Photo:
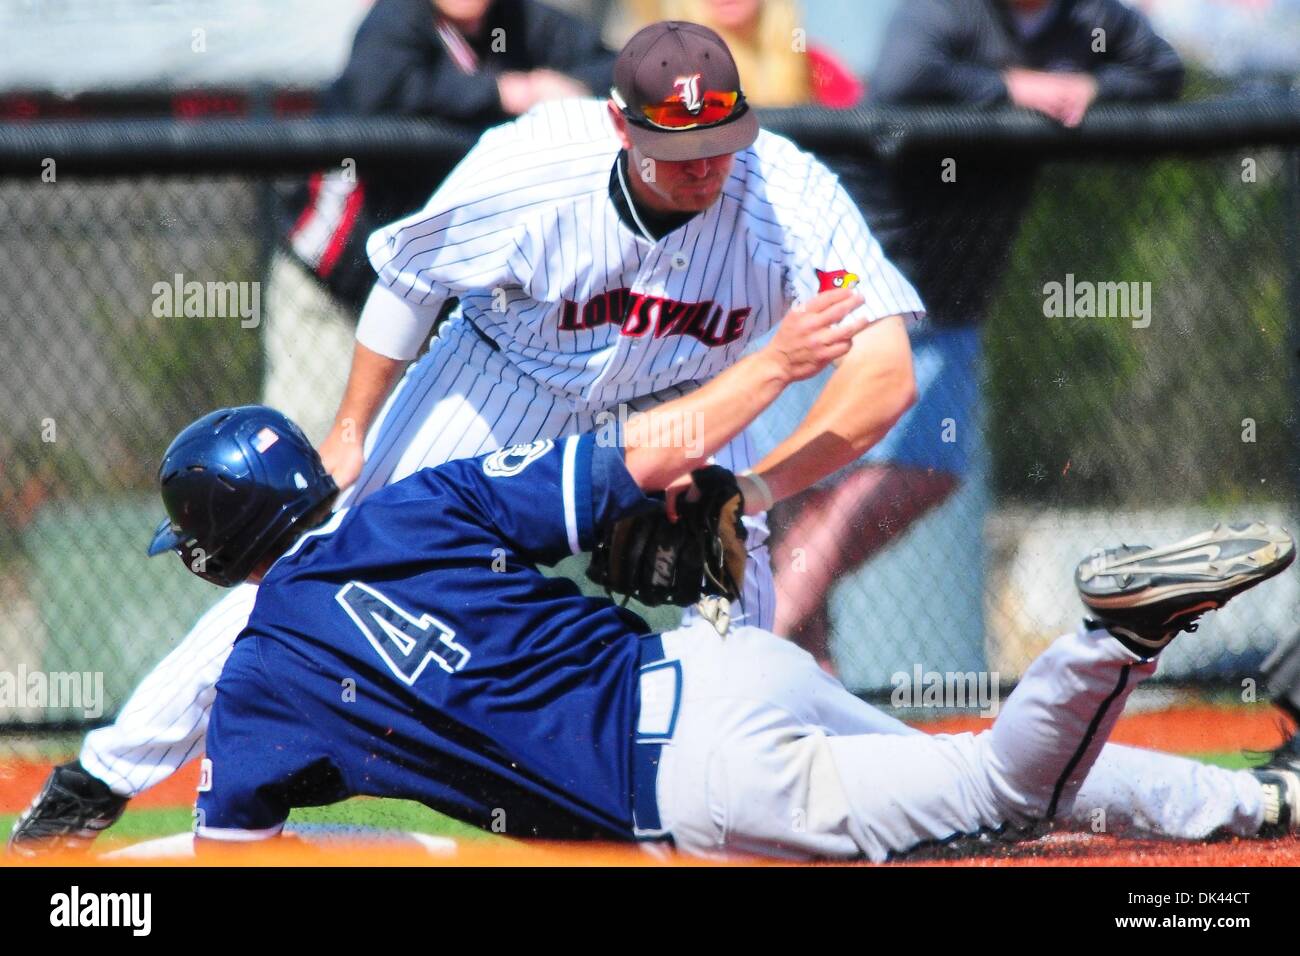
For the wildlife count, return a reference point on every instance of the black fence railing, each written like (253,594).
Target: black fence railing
(91,147)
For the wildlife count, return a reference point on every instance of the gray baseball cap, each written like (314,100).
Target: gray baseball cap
(678,87)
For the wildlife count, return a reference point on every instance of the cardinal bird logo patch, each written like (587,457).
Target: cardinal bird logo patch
(839,279)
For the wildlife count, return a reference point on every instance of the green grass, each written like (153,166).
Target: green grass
(391,815)
(1232,760)
(146,823)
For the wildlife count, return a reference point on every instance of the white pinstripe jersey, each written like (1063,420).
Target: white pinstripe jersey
(524,232)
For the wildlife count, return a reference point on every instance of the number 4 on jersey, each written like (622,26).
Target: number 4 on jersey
(405,642)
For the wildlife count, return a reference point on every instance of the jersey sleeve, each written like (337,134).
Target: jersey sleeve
(466,238)
(834,248)
(393,326)
(546,500)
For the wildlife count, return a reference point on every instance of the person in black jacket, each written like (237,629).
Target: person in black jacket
(474,62)
(1054,56)
(952,240)
(477,61)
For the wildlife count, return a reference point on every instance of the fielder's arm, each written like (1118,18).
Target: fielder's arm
(870,390)
(390,333)
(804,344)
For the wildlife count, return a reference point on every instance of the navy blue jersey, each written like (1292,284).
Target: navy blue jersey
(428,599)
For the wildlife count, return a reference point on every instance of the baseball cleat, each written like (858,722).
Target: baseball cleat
(1280,780)
(70,811)
(1146,596)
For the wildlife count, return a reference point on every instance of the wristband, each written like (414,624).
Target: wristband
(763,489)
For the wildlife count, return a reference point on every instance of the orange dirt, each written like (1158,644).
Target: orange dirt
(289,852)
(1055,850)
(1182,730)
(1082,849)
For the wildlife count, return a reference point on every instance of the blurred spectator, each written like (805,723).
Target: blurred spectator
(476,62)
(473,60)
(854,31)
(1054,56)
(778,66)
(951,239)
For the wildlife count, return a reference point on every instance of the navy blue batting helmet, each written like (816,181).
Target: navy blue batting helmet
(234,484)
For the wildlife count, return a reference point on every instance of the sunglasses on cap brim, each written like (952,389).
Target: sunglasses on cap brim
(716,107)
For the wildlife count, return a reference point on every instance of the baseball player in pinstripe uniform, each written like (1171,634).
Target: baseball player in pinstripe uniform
(604,254)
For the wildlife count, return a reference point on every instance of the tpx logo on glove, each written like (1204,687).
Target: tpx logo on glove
(665,561)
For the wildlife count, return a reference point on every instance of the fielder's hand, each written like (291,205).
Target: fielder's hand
(1065,97)
(808,338)
(701,554)
(342,456)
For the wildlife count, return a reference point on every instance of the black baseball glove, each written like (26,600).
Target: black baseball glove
(700,555)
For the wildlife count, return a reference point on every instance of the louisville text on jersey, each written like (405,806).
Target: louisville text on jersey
(640,314)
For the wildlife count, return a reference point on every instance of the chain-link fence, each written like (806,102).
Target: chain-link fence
(1135,383)
(1130,375)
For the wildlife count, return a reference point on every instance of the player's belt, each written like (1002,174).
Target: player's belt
(660,686)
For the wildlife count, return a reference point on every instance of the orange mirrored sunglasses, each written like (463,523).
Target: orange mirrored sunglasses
(715,107)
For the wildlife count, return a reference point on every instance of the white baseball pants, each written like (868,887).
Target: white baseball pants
(770,756)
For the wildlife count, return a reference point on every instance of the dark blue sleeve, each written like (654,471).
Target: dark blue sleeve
(1140,64)
(399,67)
(568,44)
(548,499)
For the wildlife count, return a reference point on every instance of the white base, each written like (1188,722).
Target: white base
(180,846)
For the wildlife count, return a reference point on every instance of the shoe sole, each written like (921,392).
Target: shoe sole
(1215,565)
